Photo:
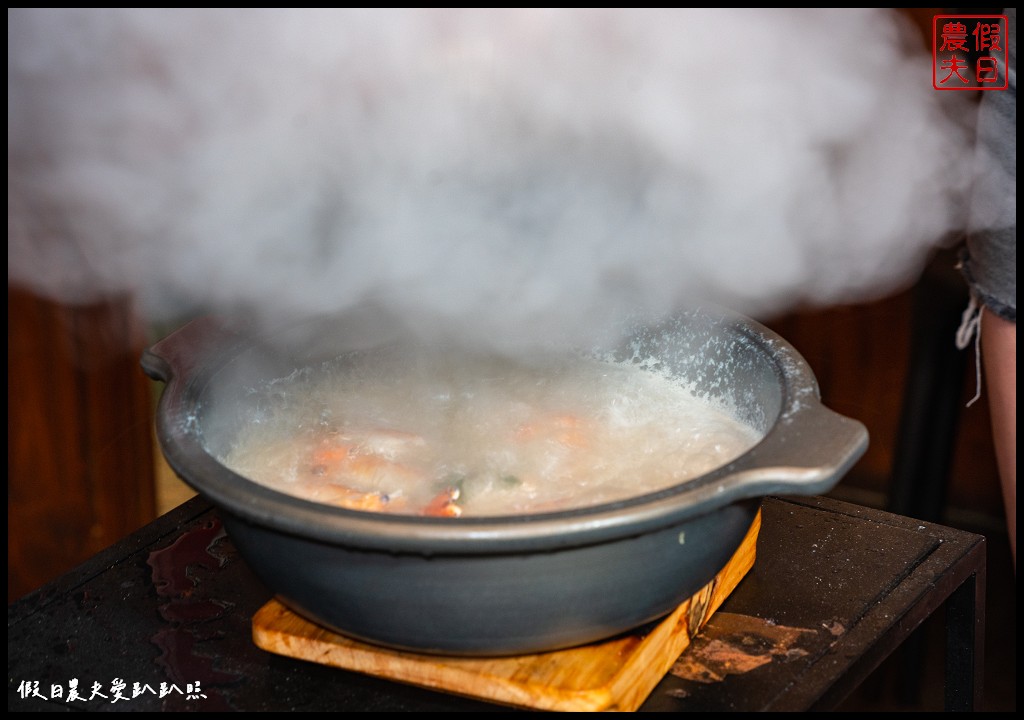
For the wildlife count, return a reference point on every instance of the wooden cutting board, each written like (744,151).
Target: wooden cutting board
(617,674)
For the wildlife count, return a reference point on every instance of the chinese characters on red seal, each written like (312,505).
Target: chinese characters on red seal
(969,52)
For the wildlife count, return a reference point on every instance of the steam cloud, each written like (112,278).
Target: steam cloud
(522,174)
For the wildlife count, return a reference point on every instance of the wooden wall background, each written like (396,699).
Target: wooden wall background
(79,442)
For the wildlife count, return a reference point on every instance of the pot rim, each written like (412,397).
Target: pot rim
(188,359)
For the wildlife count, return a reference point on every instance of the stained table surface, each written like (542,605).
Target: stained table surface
(162,621)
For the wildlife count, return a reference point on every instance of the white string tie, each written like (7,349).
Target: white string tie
(970,326)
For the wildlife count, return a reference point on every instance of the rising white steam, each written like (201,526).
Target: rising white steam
(513,173)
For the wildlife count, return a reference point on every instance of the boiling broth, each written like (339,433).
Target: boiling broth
(453,434)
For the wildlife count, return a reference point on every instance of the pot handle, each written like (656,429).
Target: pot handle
(807,452)
(181,352)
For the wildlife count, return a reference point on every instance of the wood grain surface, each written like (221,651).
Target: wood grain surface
(617,674)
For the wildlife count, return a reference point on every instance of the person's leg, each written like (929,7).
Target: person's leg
(999,350)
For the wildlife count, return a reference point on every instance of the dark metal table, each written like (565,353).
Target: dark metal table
(161,621)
